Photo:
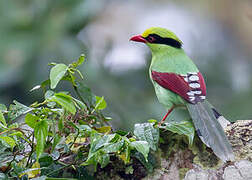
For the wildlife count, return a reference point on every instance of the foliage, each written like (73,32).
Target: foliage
(70,132)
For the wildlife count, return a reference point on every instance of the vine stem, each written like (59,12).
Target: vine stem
(78,132)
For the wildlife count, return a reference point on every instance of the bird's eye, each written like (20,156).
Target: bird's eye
(151,39)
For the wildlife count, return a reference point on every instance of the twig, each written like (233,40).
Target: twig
(32,147)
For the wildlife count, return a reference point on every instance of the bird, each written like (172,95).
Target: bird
(178,82)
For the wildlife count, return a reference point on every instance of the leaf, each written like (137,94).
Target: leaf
(36,171)
(17,133)
(45,160)
(103,160)
(3,107)
(125,155)
(122,133)
(3,176)
(17,109)
(57,73)
(2,119)
(98,141)
(142,147)
(48,94)
(40,133)
(152,121)
(96,150)
(113,147)
(85,92)
(146,132)
(84,128)
(79,61)
(8,141)
(31,120)
(80,105)
(65,101)
(150,164)
(182,128)
(56,140)
(100,103)
(104,129)
(45,83)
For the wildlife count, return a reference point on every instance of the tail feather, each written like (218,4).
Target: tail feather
(209,129)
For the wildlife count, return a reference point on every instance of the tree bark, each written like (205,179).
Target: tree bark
(201,164)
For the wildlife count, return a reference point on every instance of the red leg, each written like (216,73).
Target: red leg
(169,111)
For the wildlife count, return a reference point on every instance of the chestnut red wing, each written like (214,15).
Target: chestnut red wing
(190,86)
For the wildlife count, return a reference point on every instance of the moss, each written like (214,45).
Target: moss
(204,156)
(182,172)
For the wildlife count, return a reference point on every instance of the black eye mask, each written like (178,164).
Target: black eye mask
(156,39)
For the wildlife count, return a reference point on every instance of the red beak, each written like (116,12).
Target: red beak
(138,38)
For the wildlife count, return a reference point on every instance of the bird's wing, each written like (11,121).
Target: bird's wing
(190,86)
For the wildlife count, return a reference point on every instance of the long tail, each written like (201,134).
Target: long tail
(210,131)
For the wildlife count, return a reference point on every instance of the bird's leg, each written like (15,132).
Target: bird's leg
(169,111)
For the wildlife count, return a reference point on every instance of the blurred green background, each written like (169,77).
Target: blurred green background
(216,35)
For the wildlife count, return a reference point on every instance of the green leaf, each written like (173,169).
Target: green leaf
(80,104)
(17,133)
(104,129)
(45,160)
(103,160)
(150,164)
(65,101)
(146,132)
(98,148)
(152,121)
(122,133)
(2,119)
(84,128)
(34,171)
(8,140)
(40,133)
(98,141)
(61,123)
(125,154)
(17,109)
(56,140)
(3,176)
(113,147)
(45,83)
(85,93)
(100,103)
(31,120)
(142,147)
(57,73)
(3,107)
(48,94)
(79,61)
(182,128)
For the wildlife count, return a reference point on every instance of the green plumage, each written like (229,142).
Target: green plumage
(169,57)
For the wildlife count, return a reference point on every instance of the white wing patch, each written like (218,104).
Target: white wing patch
(194,78)
(195,93)
(194,85)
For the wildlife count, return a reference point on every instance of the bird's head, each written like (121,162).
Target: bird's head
(157,38)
